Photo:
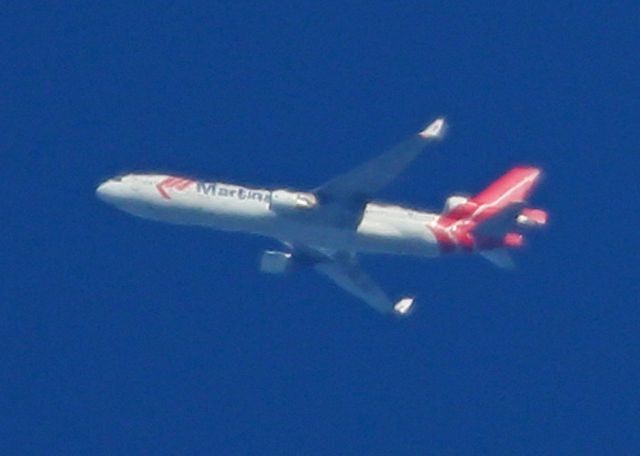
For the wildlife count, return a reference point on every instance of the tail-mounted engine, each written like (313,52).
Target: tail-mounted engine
(285,200)
(454,201)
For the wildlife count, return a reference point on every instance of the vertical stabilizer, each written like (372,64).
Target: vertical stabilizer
(513,187)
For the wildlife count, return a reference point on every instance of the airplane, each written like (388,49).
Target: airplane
(324,229)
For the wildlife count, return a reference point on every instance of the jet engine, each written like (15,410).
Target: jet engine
(454,201)
(274,262)
(286,200)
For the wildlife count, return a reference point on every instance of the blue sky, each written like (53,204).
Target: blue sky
(121,336)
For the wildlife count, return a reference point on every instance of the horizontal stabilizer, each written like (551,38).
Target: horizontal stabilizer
(532,218)
(500,258)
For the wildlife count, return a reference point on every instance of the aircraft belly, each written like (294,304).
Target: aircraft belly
(222,214)
(412,241)
(397,237)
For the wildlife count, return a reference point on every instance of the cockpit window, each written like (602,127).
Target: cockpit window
(118,178)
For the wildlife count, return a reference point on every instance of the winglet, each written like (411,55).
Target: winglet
(434,130)
(403,306)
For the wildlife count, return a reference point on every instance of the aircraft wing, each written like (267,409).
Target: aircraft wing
(361,183)
(343,269)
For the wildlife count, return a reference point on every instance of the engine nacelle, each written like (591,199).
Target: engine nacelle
(273,262)
(454,201)
(285,200)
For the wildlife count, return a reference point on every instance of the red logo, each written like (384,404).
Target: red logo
(176,183)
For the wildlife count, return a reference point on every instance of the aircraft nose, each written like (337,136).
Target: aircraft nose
(106,191)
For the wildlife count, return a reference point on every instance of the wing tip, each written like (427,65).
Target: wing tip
(403,306)
(434,130)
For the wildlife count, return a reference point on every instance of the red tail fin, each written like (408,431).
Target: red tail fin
(514,186)
(487,221)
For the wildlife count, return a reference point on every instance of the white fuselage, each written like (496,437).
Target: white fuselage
(380,229)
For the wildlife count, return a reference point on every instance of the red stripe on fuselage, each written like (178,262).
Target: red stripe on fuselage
(452,234)
(184,184)
(177,183)
(165,183)
(446,242)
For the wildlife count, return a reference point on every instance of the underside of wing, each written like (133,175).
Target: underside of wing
(365,180)
(343,269)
